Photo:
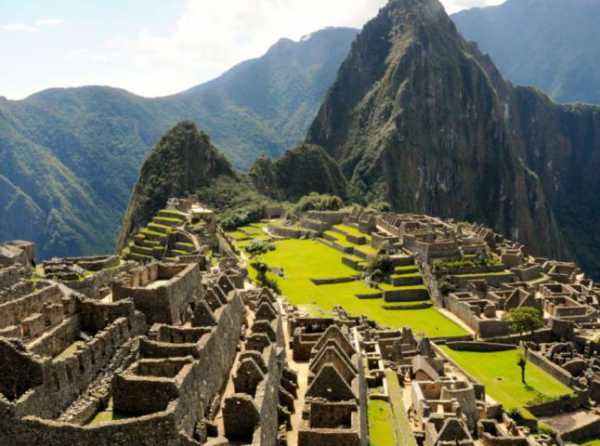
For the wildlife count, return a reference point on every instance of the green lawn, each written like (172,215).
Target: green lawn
(381,432)
(500,374)
(302,260)
(592,443)
(340,239)
(255,230)
(351,230)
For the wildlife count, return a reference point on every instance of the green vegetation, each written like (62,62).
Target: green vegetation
(318,202)
(302,260)
(500,374)
(351,230)
(259,247)
(442,266)
(307,169)
(380,424)
(524,320)
(70,157)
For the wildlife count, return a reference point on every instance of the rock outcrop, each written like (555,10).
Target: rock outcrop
(420,118)
(182,162)
(306,169)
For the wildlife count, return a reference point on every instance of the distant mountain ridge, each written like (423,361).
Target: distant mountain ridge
(70,157)
(553,45)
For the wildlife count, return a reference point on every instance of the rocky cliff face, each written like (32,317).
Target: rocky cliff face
(421,118)
(182,162)
(551,44)
(306,169)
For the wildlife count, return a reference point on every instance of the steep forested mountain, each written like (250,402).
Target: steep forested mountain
(551,44)
(420,118)
(182,162)
(299,172)
(70,157)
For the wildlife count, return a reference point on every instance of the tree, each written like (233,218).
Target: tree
(263,279)
(522,365)
(259,247)
(524,320)
(380,265)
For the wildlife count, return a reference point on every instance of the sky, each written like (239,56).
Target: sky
(156,47)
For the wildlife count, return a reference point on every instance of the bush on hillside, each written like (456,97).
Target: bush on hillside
(318,202)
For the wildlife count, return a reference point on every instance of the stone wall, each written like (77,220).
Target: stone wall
(478,346)
(549,367)
(159,429)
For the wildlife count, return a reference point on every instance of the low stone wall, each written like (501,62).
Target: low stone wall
(334,281)
(493,280)
(93,284)
(11,275)
(417,306)
(583,433)
(332,243)
(13,312)
(406,295)
(485,328)
(285,232)
(158,429)
(549,367)
(472,270)
(354,264)
(479,346)
(565,404)
(330,217)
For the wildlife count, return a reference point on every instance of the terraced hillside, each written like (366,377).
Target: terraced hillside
(320,274)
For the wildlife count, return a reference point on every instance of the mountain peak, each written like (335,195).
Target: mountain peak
(182,162)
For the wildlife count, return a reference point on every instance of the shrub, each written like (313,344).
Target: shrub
(318,202)
(380,266)
(524,319)
(259,247)
(381,206)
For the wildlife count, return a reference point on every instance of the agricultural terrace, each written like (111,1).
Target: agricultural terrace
(303,260)
(501,375)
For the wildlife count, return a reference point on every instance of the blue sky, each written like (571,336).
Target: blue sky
(155,47)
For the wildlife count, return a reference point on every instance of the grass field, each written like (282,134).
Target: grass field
(501,375)
(351,230)
(381,432)
(591,443)
(302,260)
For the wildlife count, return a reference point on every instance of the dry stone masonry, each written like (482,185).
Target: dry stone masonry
(171,343)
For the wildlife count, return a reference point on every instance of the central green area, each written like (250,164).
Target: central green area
(380,424)
(302,260)
(501,375)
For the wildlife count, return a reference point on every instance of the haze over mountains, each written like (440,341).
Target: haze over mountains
(550,44)
(420,118)
(70,157)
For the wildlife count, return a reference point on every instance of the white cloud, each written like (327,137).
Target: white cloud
(49,22)
(24,27)
(18,27)
(453,6)
(211,37)
(208,38)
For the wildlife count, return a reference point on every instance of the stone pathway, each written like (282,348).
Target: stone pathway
(302,369)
